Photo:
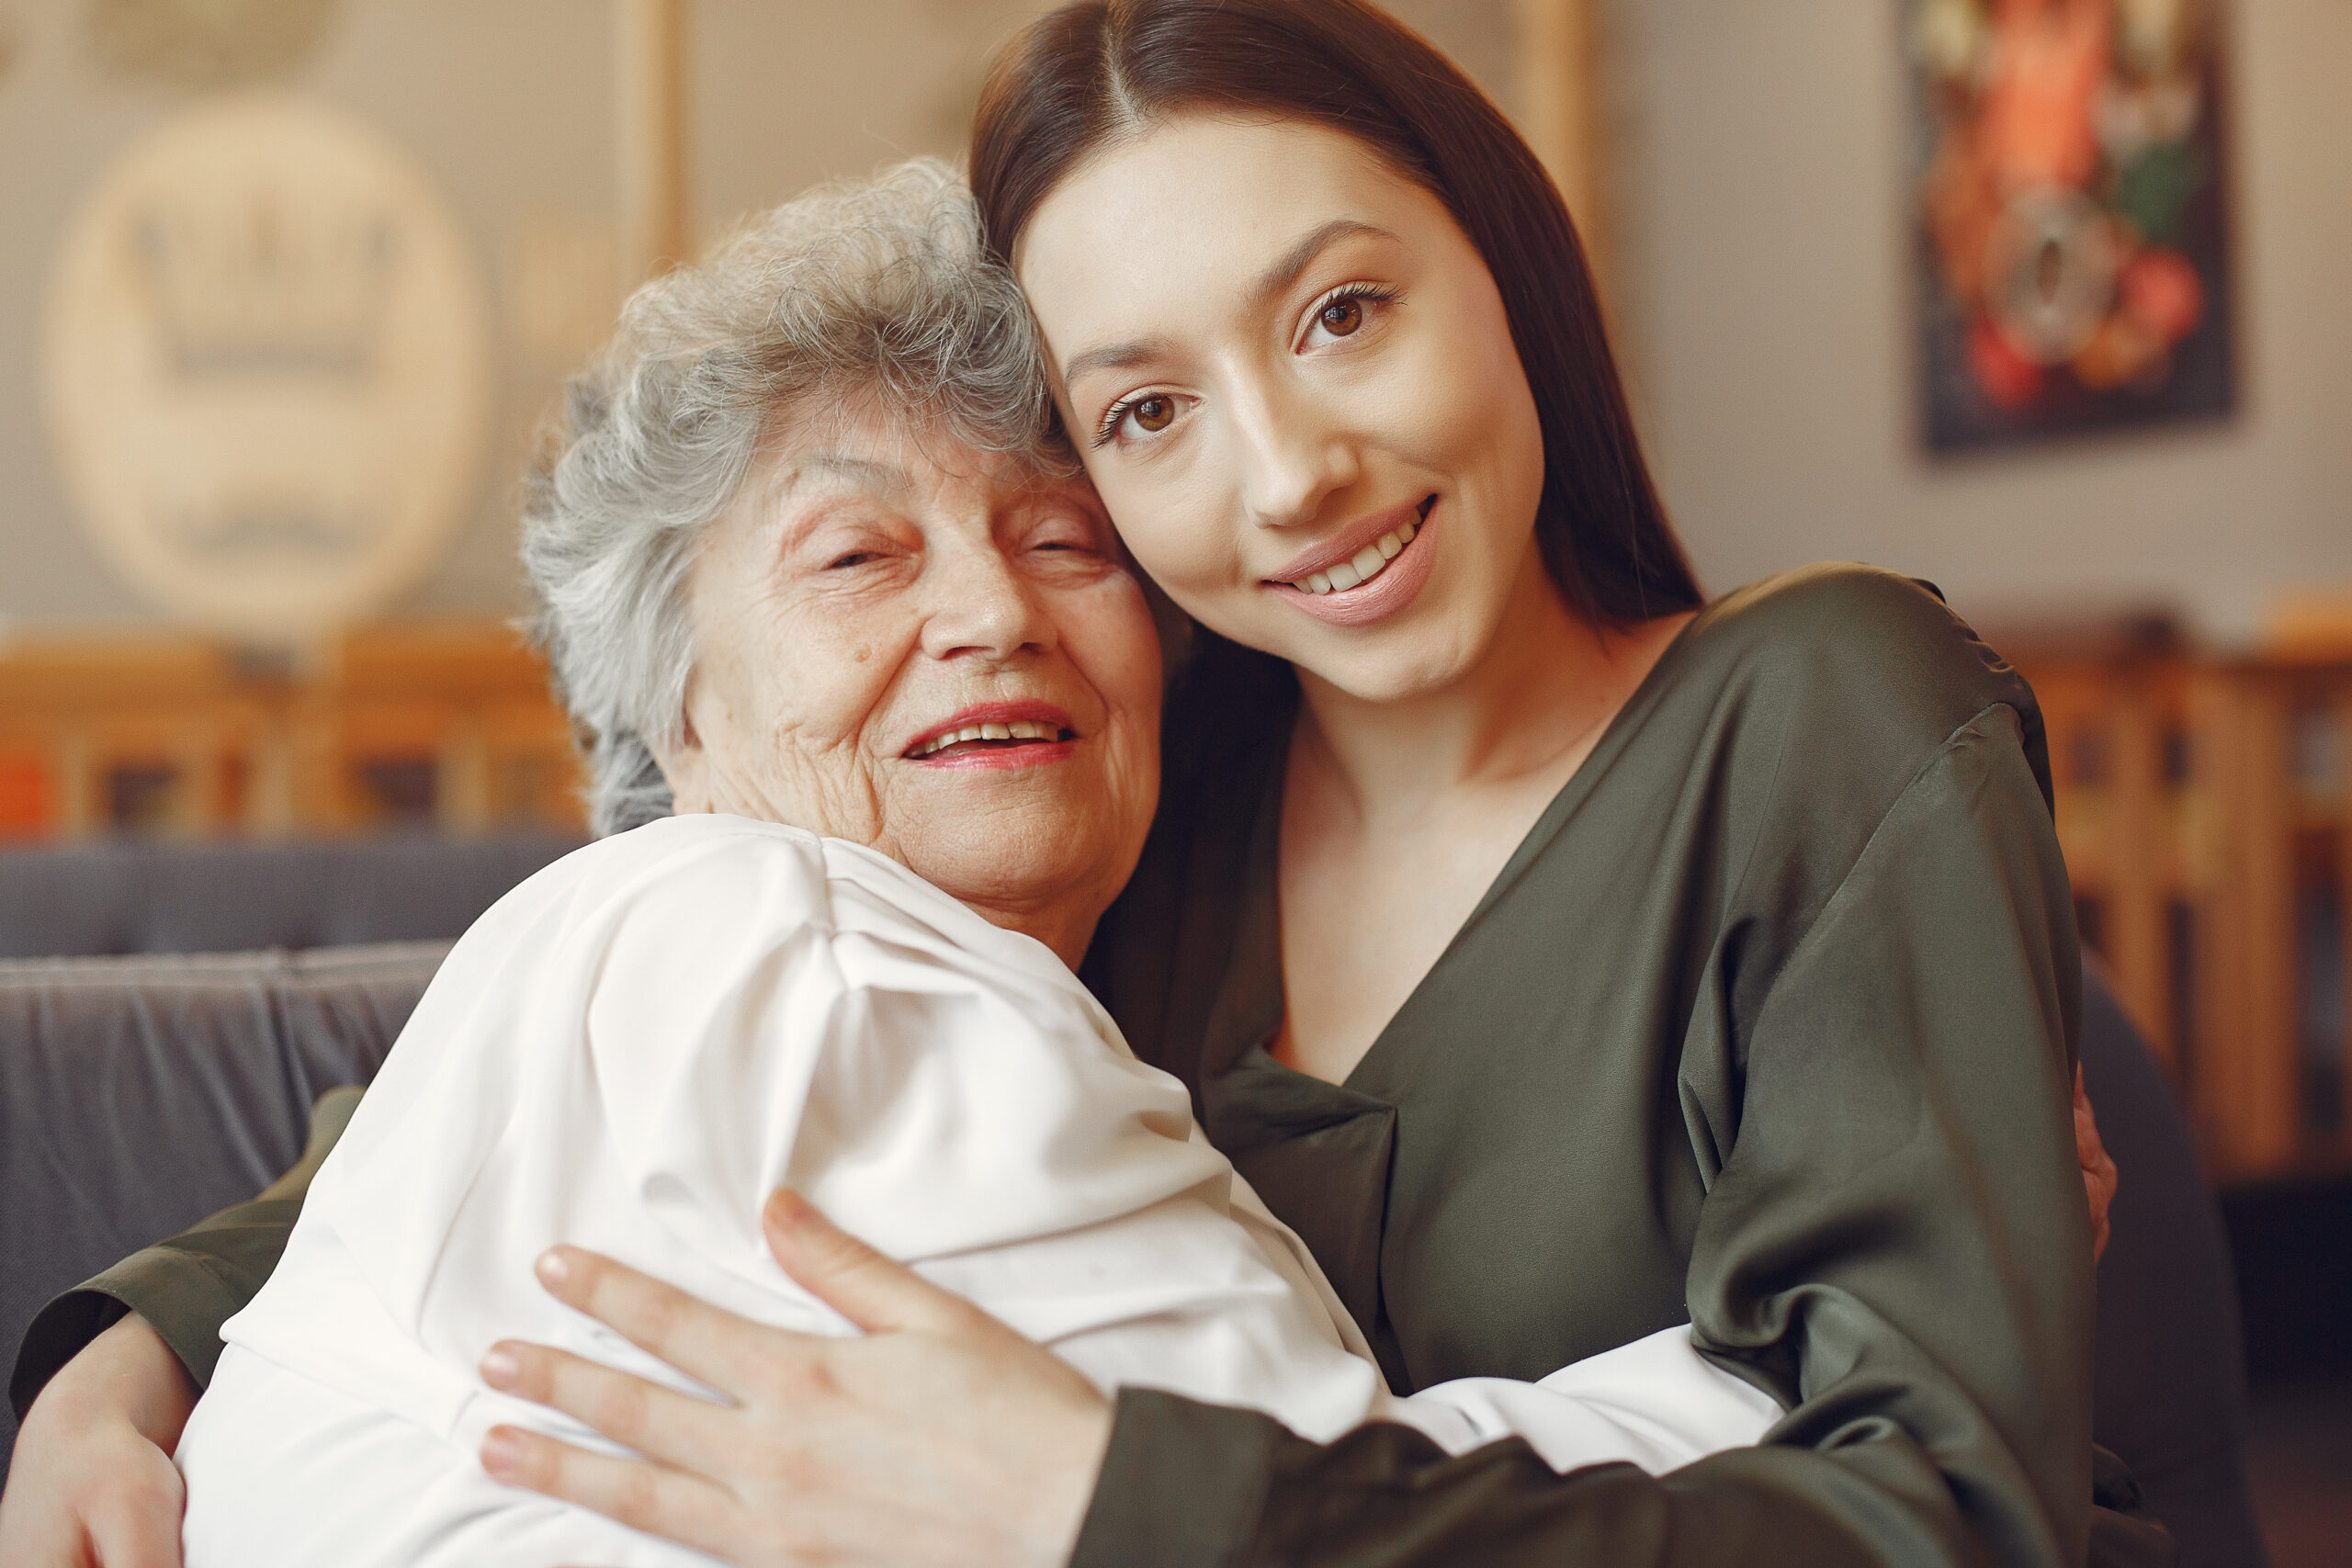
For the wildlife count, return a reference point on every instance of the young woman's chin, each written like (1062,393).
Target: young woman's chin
(1417,649)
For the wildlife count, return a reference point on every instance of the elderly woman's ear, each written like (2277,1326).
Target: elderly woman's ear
(686,767)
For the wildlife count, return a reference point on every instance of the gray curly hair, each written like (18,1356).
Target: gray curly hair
(877,288)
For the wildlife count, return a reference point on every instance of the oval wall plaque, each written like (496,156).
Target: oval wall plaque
(267,367)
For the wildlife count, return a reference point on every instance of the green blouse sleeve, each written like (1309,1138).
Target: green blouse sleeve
(1894,1241)
(189,1286)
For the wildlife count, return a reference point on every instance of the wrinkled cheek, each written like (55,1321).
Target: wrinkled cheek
(826,784)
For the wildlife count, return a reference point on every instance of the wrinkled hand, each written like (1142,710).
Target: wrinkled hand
(91,1483)
(940,1437)
(2099,1179)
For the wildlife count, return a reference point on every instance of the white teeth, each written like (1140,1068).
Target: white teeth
(1017,729)
(1368,563)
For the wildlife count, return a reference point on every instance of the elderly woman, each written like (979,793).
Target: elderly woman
(877,702)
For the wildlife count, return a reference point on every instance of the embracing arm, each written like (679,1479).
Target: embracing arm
(108,1373)
(186,1287)
(1892,1242)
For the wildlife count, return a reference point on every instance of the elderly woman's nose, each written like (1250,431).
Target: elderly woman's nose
(981,604)
(1294,453)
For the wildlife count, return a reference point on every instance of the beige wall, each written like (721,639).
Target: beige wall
(1759,278)
(507,102)
(503,100)
(1765,299)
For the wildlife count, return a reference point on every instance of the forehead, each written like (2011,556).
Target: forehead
(859,448)
(1182,201)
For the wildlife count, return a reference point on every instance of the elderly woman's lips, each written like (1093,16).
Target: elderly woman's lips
(1024,727)
(1017,731)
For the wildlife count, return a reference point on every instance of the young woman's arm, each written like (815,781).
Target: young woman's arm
(91,1482)
(108,1371)
(1892,1240)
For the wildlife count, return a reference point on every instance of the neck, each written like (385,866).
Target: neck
(1539,695)
(1059,925)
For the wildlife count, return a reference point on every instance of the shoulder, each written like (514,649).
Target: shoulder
(1848,621)
(699,871)
(1859,657)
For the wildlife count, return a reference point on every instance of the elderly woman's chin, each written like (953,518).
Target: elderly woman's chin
(1043,833)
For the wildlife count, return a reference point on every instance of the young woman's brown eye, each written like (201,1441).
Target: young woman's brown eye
(1342,317)
(1152,414)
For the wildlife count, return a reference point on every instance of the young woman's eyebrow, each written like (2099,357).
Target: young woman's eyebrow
(1277,279)
(1270,285)
(1114,356)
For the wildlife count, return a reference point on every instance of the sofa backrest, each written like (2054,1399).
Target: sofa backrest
(139,1095)
(132,895)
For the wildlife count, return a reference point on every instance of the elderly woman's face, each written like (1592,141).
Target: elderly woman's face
(930,650)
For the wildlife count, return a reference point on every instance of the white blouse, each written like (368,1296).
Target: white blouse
(637,1046)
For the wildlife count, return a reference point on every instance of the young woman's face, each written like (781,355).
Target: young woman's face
(1292,381)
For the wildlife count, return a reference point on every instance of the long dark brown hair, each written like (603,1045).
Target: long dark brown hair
(1102,69)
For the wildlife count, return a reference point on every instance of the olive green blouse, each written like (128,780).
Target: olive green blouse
(1767,1026)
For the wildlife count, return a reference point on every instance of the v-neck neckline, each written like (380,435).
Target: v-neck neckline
(1261,904)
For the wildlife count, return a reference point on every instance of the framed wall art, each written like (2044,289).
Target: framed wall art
(2069,205)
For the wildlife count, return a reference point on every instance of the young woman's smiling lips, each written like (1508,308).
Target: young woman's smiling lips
(995,735)
(1367,571)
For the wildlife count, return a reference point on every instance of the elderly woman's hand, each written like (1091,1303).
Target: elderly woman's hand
(940,1437)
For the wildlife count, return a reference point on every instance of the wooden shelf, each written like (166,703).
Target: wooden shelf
(442,724)
(2206,814)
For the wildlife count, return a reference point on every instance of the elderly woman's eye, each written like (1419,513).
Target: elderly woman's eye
(855,557)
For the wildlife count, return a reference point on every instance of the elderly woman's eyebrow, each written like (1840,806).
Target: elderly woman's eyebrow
(864,472)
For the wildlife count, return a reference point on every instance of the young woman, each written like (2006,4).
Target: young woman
(1561,959)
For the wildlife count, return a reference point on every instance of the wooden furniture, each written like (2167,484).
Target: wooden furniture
(2205,806)
(443,725)
(1559,71)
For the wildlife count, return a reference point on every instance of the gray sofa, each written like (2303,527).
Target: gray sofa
(139,1095)
(137,896)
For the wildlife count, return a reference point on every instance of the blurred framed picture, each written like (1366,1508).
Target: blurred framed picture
(2069,204)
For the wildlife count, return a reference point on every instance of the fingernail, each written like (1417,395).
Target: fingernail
(499,1369)
(502,1453)
(552,1267)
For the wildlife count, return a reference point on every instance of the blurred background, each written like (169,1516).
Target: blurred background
(2043,300)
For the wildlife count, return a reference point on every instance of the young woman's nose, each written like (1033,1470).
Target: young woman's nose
(981,605)
(1293,455)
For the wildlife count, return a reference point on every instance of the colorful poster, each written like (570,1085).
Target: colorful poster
(2070,209)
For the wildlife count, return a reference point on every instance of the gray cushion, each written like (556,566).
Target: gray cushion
(133,896)
(139,1095)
